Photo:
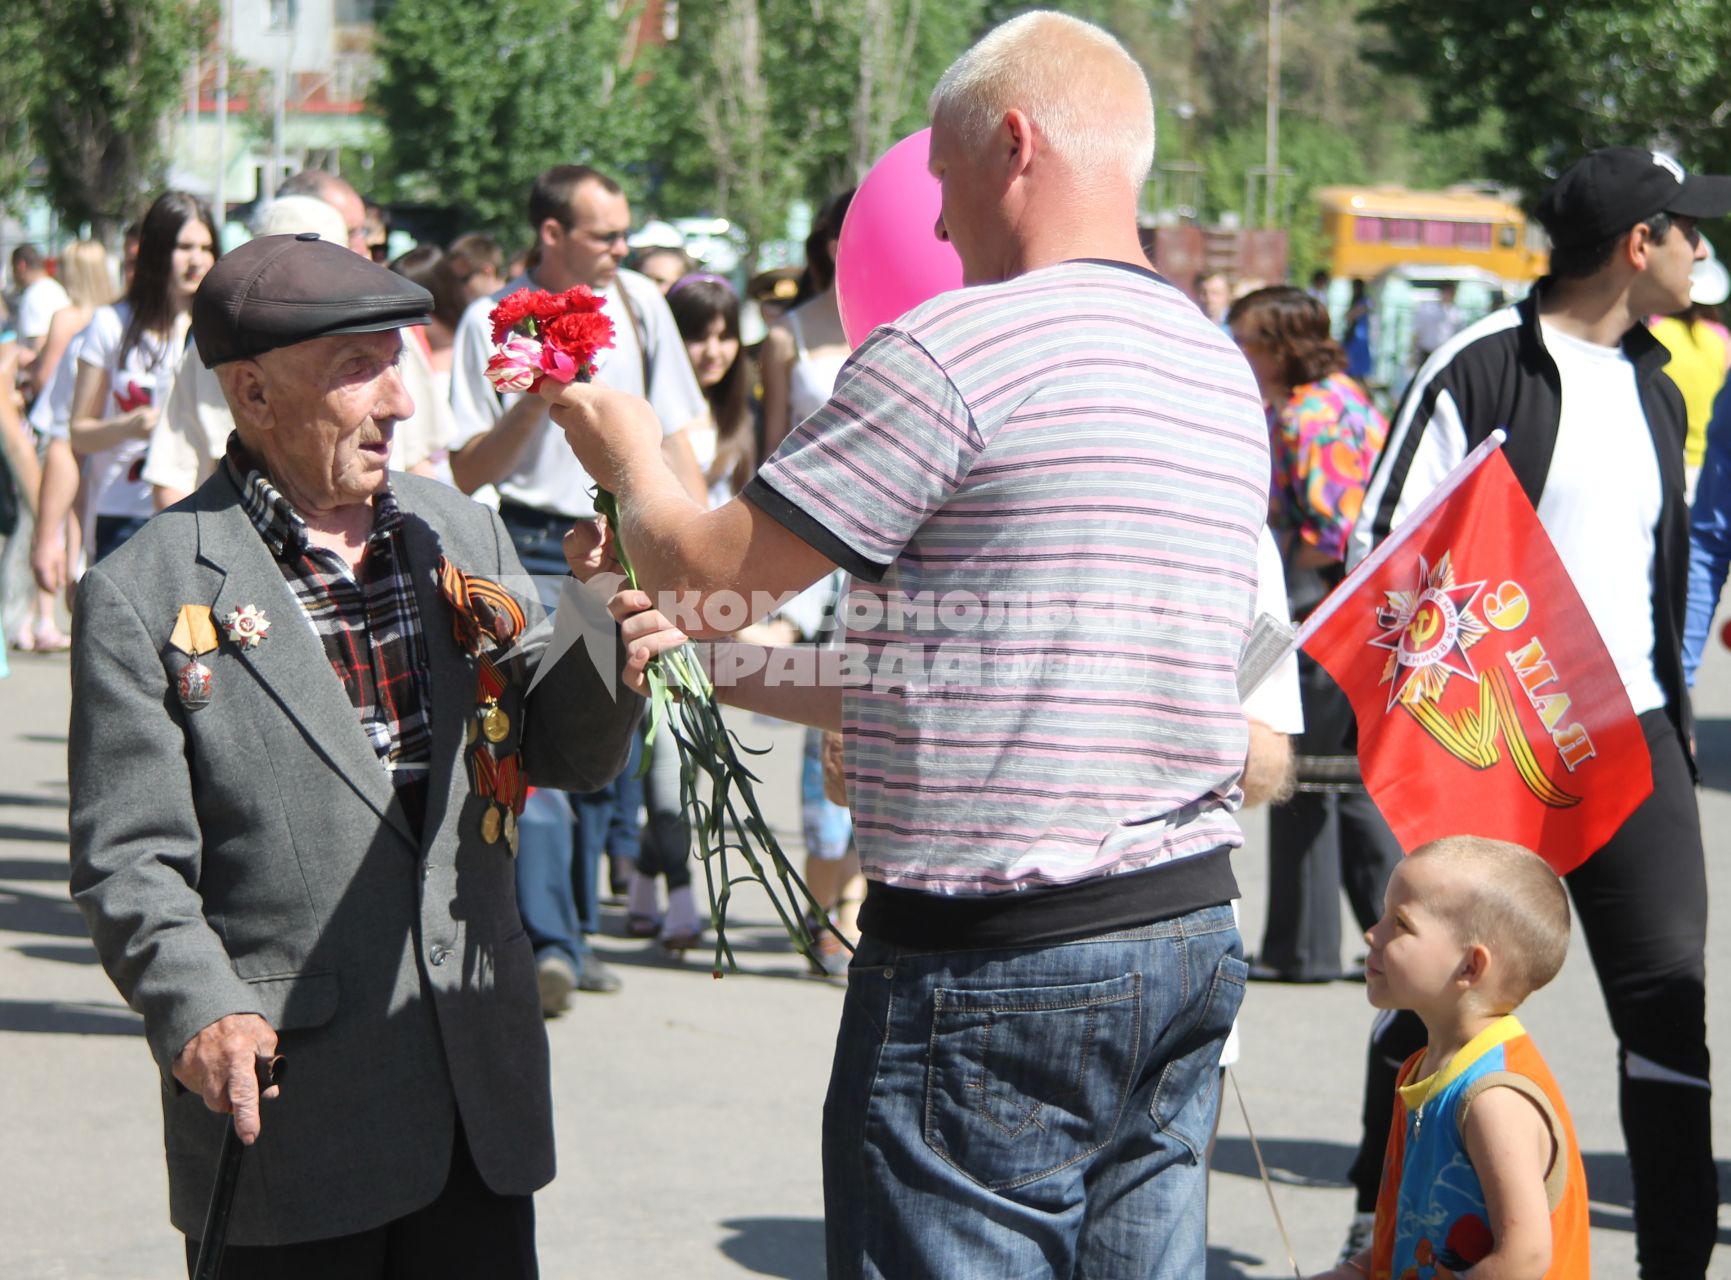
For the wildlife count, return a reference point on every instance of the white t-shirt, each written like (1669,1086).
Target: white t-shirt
(1276,701)
(705,439)
(51,415)
(1601,504)
(1434,323)
(114,477)
(548,476)
(37,305)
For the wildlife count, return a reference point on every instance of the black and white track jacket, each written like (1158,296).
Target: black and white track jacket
(1497,373)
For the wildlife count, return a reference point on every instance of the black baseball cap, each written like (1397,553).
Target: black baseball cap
(1607,192)
(276,291)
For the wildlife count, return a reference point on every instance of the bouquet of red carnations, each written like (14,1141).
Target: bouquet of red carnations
(541,336)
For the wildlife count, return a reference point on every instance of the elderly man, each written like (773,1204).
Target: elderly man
(299,737)
(1049,488)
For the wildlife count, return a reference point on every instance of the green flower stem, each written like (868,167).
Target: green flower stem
(713,784)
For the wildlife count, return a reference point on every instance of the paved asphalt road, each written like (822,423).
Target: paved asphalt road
(688,1108)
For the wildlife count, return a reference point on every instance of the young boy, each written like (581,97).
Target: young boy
(1482,1169)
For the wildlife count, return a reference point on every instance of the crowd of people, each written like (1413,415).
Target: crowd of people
(205,439)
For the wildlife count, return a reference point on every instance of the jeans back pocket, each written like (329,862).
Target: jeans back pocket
(1022,1082)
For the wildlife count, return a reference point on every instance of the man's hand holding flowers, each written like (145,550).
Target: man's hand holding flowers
(613,433)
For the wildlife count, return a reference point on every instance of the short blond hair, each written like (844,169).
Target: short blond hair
(1071,79)
(1508,900)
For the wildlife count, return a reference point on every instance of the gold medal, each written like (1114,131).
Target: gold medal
(511,831)
(491,823)
(495,724)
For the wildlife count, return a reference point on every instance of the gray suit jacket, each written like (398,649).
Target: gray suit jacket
(251,856)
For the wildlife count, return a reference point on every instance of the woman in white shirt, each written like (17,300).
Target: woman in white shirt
(126,366)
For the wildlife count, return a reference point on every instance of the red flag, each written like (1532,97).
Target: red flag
(1486,702)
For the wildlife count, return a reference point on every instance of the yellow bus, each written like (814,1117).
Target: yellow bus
(1371,229)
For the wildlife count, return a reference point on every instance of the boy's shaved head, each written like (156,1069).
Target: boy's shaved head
(1507,899)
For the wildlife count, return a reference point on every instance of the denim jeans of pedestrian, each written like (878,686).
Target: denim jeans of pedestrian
(544,851)
(827,827)
(112,531)
(1029,1113)
(608,821)
(544,877)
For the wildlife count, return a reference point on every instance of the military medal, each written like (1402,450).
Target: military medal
(194,634)
(485,621)
(489,684)
(193,684)
(247,626)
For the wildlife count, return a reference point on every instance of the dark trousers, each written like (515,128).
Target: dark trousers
(112,531)
(469,1231)
(1642,906)
(1319,843)
(1395,1036)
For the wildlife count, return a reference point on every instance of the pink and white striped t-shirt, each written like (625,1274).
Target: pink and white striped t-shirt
(1049,493)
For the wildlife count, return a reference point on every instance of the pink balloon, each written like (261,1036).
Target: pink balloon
(889,259)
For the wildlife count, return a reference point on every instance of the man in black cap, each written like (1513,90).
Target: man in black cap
(300,739)
(1595,435)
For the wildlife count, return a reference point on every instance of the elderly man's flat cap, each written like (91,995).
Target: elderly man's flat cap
(279,290)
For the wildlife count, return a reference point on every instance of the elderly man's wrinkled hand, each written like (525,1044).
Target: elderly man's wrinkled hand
(220,1064)
(588,546)
(645,633)
(603,426)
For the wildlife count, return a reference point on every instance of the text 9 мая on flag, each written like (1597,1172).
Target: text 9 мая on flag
(1486,702)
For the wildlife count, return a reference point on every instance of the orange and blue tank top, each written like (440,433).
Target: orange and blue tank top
(1431,1220)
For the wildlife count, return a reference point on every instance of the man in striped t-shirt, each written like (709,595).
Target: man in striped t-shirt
(1048,488)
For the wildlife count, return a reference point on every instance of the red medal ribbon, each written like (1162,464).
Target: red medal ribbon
(489,680)
(486,771)
(511,792)
(481,609)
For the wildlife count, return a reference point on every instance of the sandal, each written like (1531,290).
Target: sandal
(677,944)
(640,926)
(49,638)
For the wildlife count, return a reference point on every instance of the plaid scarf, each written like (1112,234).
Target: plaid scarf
(367,619)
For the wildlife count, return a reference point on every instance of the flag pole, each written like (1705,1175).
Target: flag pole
(1389,546)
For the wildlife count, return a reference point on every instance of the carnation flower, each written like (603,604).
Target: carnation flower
(516,365)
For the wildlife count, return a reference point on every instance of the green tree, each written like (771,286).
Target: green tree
(20,54)
(1564,78)
(792,98)
(480,96)
(108,73)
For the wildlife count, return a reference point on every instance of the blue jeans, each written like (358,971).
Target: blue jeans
(1036,1112)
(111,531)
(608,821)
(544,854)
(827,827)
(544,896)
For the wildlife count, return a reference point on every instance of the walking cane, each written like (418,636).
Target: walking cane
(215,1236)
